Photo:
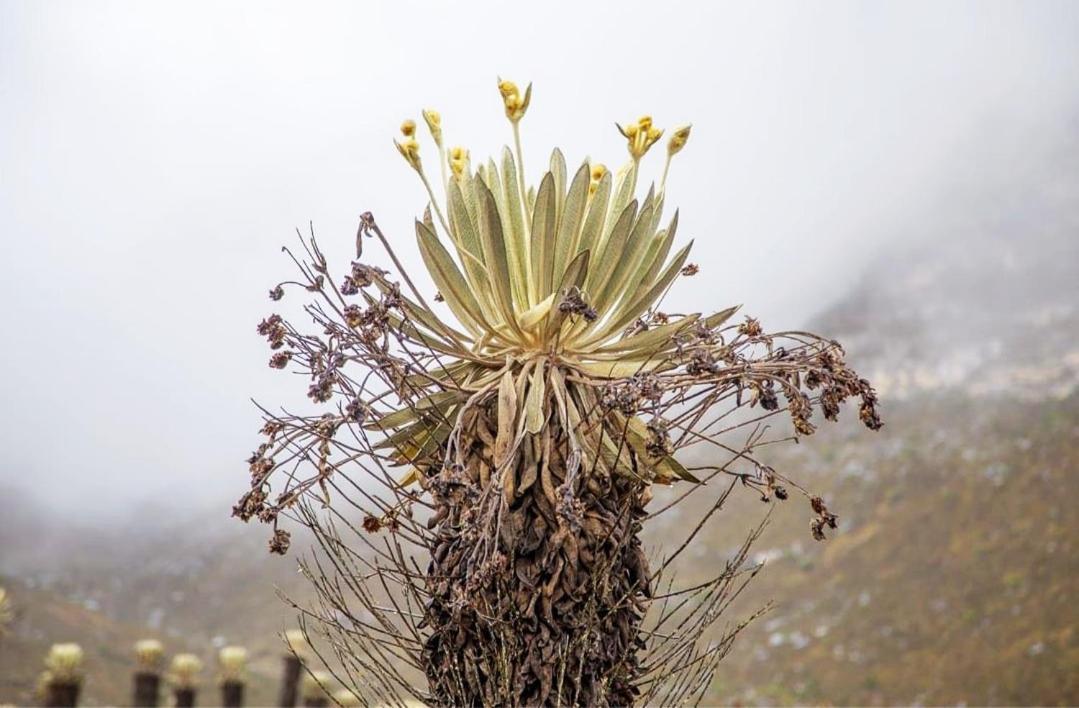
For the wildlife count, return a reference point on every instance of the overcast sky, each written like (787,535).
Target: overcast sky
(154,157)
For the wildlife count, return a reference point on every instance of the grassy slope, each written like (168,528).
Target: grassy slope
(953,576)
(194,594)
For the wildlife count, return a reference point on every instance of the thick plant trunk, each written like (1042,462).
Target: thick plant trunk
(185,697)
(538,588)
(62,695)
(290,682)
(147,684)
(232,694)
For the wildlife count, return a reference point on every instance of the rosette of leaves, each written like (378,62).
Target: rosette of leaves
(531,416)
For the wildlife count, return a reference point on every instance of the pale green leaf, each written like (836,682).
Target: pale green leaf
(544,221)
(534,315)
(514,232)
(644,344)
(570,221)
(449,281)
(597,215)
(637,307)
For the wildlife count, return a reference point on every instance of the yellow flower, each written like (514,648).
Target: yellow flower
(408,128)
(678,140)
(434,124)
(511,98)
(640,136)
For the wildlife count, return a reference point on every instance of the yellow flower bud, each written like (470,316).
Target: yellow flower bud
(507,89)
(678,140)
(511,98)
(410,150)
(434,124)
(408,128)
(458,161)
(598,170)
(645,122)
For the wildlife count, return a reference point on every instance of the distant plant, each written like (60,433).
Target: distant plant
(296,644)
(7,613)
(232,675)
(149,659)
(184,676)
(62,679)
(504,563)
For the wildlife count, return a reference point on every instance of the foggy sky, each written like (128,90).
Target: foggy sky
(153,159)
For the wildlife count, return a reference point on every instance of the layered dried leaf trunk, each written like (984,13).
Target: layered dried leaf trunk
(538,582)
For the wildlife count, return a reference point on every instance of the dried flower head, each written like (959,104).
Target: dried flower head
(280,542)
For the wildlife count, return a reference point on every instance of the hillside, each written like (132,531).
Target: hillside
(952,577)
(195,582)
